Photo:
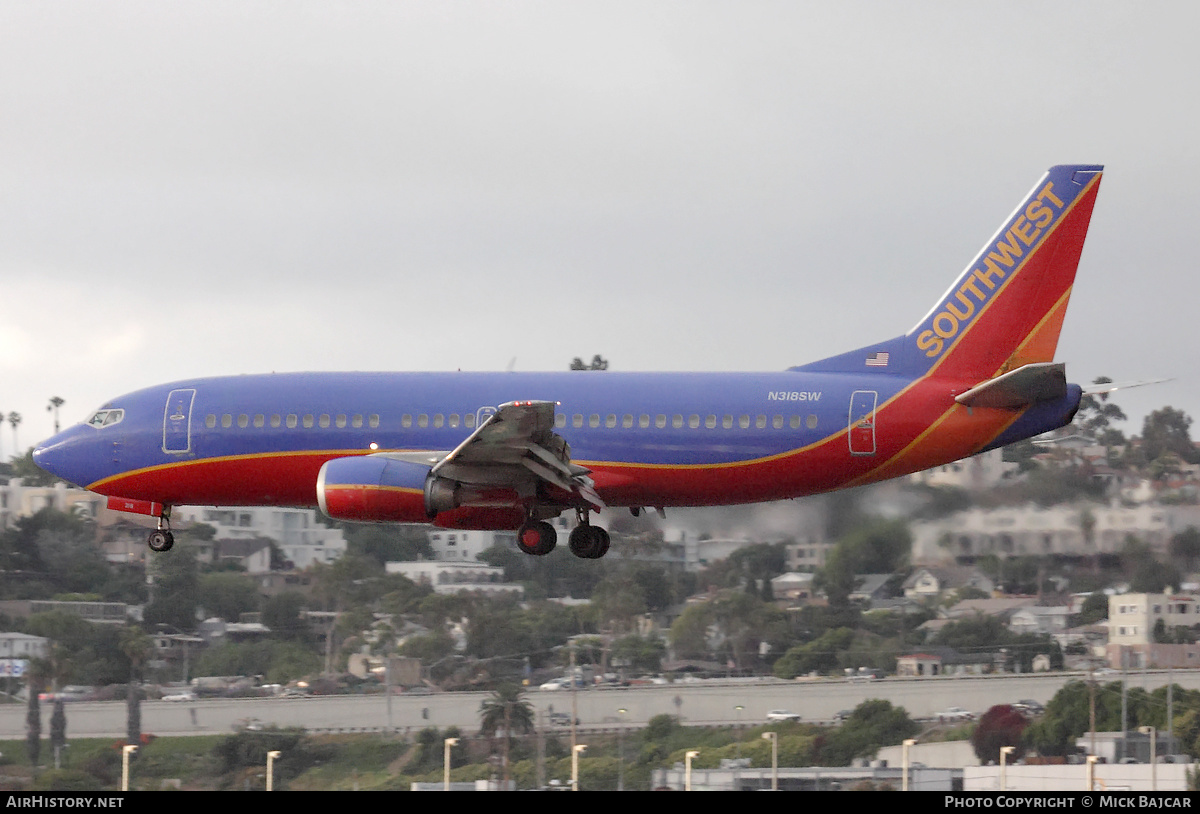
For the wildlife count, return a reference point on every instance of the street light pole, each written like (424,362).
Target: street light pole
(621,749)
(687,771)
(773,737)
(126,751)
(904,747)
(575,752)
(1149,730)
(1005,751)
(449,742)
(271,769)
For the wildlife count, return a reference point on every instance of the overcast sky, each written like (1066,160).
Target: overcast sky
(204,188)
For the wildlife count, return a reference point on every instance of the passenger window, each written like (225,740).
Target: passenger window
(452,421)
(610,421)
(469,420)
(243,421)
(711,422)
(593,420)
(292,421)
(777,422)
(626,421)
(276,420)
(795,422)
(323,421)
(340,420)
(308,421)
(227,421)
(660,421)
(693,421)
(560,420)
(812,422)
(577,420)
(210,421)
(727,422)
(422,421)
(643,421)
(439,420)
(676,421)
(356,422)
(744,422)
(761,422)
(260,420)
(373,421)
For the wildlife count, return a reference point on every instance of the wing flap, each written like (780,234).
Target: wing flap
(515,442)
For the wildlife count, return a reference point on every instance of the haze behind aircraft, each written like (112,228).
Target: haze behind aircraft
(511,450)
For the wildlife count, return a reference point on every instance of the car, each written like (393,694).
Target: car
(954,714)
(780,715)
(184,695)
(1027,706)
(842,715)
(561,719)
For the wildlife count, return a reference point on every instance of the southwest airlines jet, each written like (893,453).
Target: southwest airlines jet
(511,450)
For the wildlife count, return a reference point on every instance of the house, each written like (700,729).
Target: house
(930,582)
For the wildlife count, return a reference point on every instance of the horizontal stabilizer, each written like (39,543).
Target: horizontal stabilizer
(1041,381)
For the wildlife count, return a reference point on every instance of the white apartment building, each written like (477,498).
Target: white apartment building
(458,545)
(1078,529)
(1132,619)
(18,500)
(302,539)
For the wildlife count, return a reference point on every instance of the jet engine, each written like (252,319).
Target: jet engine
(382,489)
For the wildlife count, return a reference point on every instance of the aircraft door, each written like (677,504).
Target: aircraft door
(483,414)
(862,422)
(177,422)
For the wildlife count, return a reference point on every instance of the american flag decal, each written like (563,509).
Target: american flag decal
(879,359)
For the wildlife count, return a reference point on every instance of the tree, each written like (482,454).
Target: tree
(227,595)
(14,419)
(58,729)
(175,593)
(598,363)
(137,647)
(1167,431)
(504,714)
(35,682)
(1096,414)
(872,724)
(1000,726)
(52,407)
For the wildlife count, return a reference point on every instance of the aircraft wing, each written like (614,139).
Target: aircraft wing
(517,446)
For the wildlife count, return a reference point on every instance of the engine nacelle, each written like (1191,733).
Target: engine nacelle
(373,489)
(379,489)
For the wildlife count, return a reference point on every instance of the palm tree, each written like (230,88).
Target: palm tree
(136,646)
(509,713)
(35,680)
(14,419)
(52,407)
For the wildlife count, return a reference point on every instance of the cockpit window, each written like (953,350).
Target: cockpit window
(106,418)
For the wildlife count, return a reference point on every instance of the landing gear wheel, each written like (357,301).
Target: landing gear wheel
(161,541)
(588,542)
(537,537)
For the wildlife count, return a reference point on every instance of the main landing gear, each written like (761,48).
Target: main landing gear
(539,538)
(161,539)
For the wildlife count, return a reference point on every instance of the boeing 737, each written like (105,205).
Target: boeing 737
(513,450)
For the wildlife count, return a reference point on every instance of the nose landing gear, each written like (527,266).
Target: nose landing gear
(162,539)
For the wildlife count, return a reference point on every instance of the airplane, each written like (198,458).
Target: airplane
(509,451)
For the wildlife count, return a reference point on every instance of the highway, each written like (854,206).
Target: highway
(713,702)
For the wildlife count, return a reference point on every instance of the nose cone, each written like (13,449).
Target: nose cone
(63,457)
